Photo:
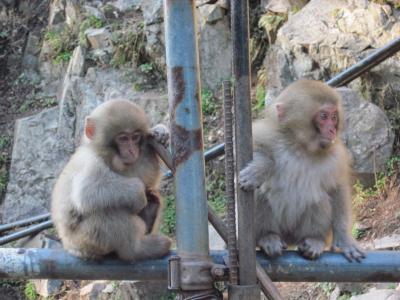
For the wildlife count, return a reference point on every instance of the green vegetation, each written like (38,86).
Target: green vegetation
(88,22)
(216,193)
(327,287)
(4,144)
(32,103)
(357,233)
(30,291)
(393,3)
(62,43)
(260,98)
(130,47)
(271,22)
(208,102)
(169,221)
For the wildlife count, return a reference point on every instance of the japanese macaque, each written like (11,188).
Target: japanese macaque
(106,200)
(300,173)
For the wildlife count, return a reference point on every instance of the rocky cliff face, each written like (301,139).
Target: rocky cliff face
(93,51)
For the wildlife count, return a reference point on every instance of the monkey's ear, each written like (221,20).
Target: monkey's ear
(90,127)
(280,111)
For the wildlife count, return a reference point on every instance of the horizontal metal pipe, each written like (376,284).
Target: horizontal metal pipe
(365,64)
(25,232)
(9,226)
(378,266)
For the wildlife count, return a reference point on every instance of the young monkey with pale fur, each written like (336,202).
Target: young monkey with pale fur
(106,199)
(300,173)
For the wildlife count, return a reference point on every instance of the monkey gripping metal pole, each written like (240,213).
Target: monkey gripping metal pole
(190,271)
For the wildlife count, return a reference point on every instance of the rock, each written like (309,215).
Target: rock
(216,242)
(152,11)
(44,142)
(48,287)
(137,290)
(98,37)
(125,5)
(378,294)
(367,134)
(57,13)
(94,11)
(212,13)
(76,66)
(283,7)
(72,11)
(155,45)
(92,290)
(328,36)
(387,242)
(215,49)
(37,159)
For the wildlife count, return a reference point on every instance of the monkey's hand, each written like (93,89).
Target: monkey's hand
(349,248)
(251,177)
(160,133)
(255,173)
(272,244)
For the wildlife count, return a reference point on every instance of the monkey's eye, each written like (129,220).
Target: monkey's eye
(334,117)
(123,138)
(136,137)
(323,115)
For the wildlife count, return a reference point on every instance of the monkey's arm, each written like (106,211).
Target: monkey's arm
(341,223)
(97,188)
(255,173)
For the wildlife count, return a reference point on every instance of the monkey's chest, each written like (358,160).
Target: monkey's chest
(296,188)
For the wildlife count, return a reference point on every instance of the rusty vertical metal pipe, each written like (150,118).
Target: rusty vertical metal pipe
(244,151)
(230,183)
(187,146)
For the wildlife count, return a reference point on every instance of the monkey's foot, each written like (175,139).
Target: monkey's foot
(350,250)
(272,244)
(311,248)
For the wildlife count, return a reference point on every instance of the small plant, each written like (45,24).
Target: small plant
(208,105)
(271,22)
(62,43)
(89,22)
(3,181)
(327,287)
(130,48)
(357,233)
(146,68)
(216,193)
(48,102)
(260,98)
(30,291)
(169,222)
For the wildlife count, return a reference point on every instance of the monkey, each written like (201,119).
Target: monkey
(300,173)
(106,199)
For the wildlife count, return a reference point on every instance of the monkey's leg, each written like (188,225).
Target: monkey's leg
(150,213)
(136,245)
(272,244)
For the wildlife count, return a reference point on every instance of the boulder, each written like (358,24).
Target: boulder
(328,36)
(367,134)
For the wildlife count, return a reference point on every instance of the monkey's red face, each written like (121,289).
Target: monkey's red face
(128,146)
(326,121)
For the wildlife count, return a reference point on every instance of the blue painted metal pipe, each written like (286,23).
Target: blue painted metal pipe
(186,127)
(378,266)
